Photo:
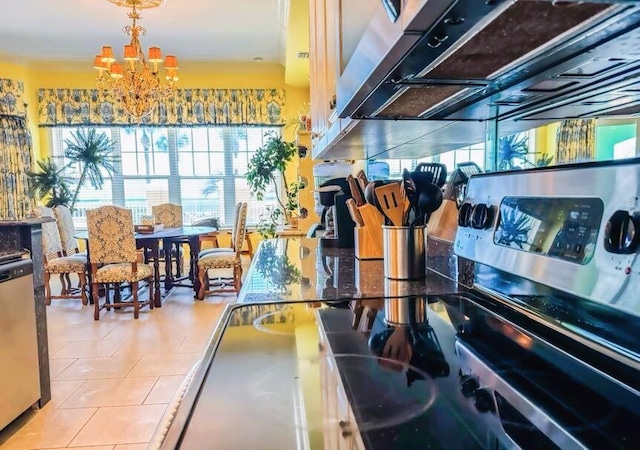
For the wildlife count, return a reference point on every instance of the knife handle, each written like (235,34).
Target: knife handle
(362,179)
(354,212)
(355,190)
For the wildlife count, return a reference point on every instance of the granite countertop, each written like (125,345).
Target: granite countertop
(301,269)
(292,372)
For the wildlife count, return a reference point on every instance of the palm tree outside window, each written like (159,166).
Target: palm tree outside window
(201,168)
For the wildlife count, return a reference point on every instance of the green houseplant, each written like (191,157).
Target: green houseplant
(266,166)
(50,183)
(88,151)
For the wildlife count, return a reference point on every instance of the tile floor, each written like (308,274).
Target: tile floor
(112,379)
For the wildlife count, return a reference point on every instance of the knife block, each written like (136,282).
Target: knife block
(443,222)
(368,243)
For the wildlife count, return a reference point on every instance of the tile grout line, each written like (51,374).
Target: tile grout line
(151,390)
(166,405)
(70,395)
(133,367)
(118,348)
(104,379)
(52,355)
(65,369)
(83,425)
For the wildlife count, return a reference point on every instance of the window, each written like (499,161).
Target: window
(392,168)
(201,168)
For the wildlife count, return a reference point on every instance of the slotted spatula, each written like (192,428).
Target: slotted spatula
(391,202)
(438,171)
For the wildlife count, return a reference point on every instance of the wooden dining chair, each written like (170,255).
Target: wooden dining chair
(112,244)
(213,237)
(55,262)
(225,258)
(170,215)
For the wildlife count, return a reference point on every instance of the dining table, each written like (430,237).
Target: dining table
(150,242)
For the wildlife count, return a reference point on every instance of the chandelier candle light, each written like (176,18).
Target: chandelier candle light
(136,82)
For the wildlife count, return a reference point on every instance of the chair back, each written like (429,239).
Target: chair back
(67,230)
(240,230)
(111,235)
(168,214)
(51,243)
(234,230)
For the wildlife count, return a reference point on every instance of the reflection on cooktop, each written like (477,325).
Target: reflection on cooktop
(396,404)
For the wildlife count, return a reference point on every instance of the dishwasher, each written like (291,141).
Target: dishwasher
(19,372)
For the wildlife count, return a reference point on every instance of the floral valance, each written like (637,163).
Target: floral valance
(187,107)
(11,98)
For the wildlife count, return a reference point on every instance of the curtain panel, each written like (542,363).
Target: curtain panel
(187,107)
(16,160)
(576,141)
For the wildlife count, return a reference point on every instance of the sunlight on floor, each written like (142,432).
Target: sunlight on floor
(112,379)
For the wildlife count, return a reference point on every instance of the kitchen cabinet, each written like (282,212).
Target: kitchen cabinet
(340,430)
(335,27)
(321,78)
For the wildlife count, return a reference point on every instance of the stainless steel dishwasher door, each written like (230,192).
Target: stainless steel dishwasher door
(19,375)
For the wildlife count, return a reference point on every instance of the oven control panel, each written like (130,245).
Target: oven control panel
(574,228)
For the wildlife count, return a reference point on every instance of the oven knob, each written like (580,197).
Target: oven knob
(468,385)
(483,400)
(622,233)
(464,215)
(482,216)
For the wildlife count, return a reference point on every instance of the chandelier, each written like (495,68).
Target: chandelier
(136,82)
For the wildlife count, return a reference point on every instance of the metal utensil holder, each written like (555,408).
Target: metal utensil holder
(405,252)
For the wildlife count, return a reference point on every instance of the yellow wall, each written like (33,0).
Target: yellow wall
(22,73)
(545,140)
(192,75)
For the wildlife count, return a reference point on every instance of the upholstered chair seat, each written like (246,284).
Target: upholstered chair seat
(121,273)
(212,251)
(218,260)
(68,264)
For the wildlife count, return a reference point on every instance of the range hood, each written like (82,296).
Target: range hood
(523,62)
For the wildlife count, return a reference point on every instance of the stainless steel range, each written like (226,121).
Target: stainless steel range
(541,352)
(574,228)
(548,341)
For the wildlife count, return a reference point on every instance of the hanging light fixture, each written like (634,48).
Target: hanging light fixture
(136,81)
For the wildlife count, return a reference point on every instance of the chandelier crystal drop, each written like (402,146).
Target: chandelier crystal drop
(136,81)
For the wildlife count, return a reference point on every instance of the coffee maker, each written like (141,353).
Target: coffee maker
(335,218)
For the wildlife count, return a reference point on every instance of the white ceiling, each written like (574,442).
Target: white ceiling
(193,30)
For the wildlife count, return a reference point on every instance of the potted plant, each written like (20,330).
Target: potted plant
(90,153)
(266,166)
